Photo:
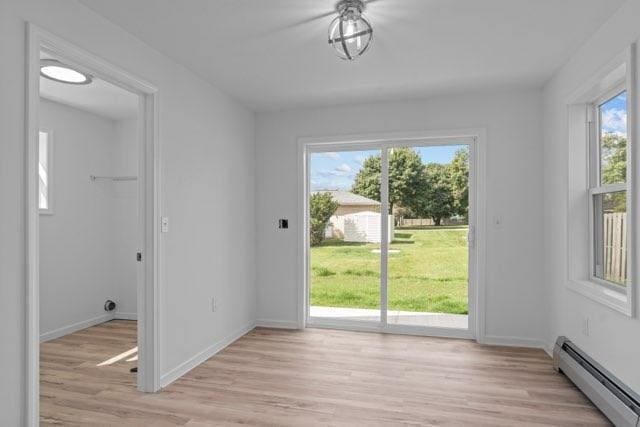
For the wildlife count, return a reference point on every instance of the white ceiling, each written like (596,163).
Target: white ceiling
(266,55)
(99,97)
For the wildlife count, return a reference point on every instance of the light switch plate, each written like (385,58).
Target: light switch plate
(164,224)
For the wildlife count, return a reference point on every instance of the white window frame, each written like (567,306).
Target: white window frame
(49,210)
(595,186)
(584,183)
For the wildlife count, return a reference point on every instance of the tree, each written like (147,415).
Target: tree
(436,199)
(459,171)
(614,168)
(434,191)
(614,158)
(406,177)
(321,208)
(367,180)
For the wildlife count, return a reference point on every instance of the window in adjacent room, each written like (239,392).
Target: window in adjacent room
(45,168)
(608,190)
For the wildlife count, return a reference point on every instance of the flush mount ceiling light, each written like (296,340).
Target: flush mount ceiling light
(350,33)
(55,70)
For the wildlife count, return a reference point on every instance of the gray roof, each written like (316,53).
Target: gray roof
(347,198)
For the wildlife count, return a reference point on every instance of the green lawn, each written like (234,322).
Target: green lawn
(428,274)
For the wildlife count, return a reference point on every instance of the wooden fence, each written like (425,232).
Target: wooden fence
(615,247)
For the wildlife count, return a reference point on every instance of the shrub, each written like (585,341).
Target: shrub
(321,208)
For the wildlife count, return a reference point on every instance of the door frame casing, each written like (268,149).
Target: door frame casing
(148,276)
(476,139)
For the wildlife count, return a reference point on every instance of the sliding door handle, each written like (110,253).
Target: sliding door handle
(471,236)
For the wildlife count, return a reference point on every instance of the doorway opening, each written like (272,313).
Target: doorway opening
(391,235)
(91,222)
(88,229)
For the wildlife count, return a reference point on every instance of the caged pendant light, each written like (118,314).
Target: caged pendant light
(350,33)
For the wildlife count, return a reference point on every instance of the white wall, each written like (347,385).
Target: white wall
(88,246)
(515,291)
(124,211)
(208,181)
(614,338)
(78,266)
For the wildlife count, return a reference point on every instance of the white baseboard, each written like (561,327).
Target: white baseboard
(66,330)
(278,324)
(548,348)
(513,342)
(185,367)
(126,316)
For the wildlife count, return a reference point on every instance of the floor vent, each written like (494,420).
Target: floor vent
(617,401)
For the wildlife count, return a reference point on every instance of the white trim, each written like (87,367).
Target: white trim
(477,208)
(633,178)
(608,188)
(125,316)
(345,325)
(363,326)
(491,340)
(596,187)
(32,386)
(302,272)
(149,298)
(515,342)
(75,327)
(602,294)
(619,290)
(50,210)
(617,75)
(400,138)
(149,190)
(277,324)
(478,220)
(608,77)
(609,95)
(548,348)
(201,357)
(384,236)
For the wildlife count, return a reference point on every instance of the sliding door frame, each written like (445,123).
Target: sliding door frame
(475,139)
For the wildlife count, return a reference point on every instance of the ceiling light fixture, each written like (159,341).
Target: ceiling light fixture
(350,33)
(55,70)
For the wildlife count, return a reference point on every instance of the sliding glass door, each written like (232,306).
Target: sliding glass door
(344,236)
(389,230)
(428,255)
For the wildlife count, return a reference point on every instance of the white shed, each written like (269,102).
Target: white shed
(362,226)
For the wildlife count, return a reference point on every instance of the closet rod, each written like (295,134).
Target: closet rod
(113,178)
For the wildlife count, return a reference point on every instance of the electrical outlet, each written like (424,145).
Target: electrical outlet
(214,304)
(585,326)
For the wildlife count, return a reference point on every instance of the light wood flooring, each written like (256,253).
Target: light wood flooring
(311,377)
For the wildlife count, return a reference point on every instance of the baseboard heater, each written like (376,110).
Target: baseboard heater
(617,401)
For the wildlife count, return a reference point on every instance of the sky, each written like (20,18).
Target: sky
(337,170)
(614,115)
